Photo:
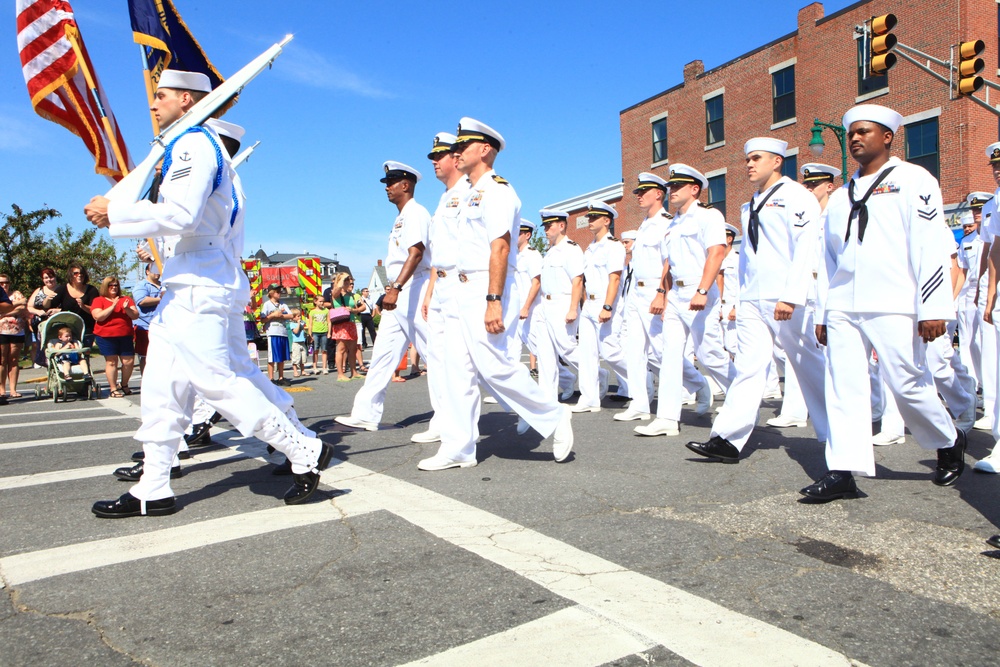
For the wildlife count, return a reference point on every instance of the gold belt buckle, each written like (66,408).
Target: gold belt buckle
(679,283)
(640,283)
(462,278)
(441,274)
(591,297)
(548,297)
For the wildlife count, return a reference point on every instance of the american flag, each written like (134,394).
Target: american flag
(62,83)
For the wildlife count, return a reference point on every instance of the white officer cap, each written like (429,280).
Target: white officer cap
(178,80)
(966,219)
(595,208)
(730,229)
(875,113)
(978,199)
(682,173)
(648,181)
(397,170)
(629,235)
(470,129)
(527,226)
(443,141)
(993,152)
(814,171)
(549,216)
(225,129)
(768,144)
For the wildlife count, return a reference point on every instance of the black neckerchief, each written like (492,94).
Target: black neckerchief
(753,226)
(860,207)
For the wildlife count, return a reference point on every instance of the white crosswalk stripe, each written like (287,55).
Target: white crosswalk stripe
(66,440)
(55,422)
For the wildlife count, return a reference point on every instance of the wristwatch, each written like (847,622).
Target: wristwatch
(606,307)
(660,290)
(397,286)
(701,291)
(494,297)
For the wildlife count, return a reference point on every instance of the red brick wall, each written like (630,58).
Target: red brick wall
(825,87)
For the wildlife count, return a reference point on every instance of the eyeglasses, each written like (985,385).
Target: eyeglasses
(77,273)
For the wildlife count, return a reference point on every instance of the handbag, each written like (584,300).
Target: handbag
(340,314)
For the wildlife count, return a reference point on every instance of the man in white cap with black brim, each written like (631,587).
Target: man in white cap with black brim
(885,228)
(695,246)
(644,330)
(777,259)
(402,322)
(478,335)
(970,324)
(604,261)
(989,228)
(189,346)
(529,284)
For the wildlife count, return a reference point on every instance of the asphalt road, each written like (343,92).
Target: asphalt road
(631,553)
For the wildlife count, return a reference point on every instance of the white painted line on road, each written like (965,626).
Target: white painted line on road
(570,637)
(28,567)
(46,410)
(685,624)
(53,422)
(65,441)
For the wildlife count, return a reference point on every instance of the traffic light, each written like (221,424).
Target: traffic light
(880,58)
(969,67)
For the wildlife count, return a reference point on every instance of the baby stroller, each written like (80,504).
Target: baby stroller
(57,386)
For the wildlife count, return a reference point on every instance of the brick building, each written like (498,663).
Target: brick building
(812,73)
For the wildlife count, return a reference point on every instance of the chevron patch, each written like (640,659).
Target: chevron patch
(932,284)
(928,214)
(180,173)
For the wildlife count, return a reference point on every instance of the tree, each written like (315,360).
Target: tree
(23,249)
(97,253)
(538,242)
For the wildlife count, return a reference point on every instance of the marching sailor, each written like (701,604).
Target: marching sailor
(885,227)
(529,284)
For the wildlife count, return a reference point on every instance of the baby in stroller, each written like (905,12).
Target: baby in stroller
(64,341)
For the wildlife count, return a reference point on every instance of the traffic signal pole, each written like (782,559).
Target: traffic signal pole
(908,52)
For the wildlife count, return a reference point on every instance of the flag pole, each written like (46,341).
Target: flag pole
(149,89)
(112,135)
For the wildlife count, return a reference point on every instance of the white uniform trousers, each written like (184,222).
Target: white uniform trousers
(758,330)
(557,341)
(476,356)
(678,376)
(398,328)
(952,379)
(189,353)
(597,341)
(643,342)
(988,368)
(616,345)
(970,341)
(793,403)
(850,339)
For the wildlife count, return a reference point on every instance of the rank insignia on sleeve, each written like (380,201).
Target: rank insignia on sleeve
(184,157)
(926,199)
(801,222)
(180,173)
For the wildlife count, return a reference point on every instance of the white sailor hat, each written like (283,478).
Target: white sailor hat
(596,208)
(629,235)
(648,181)
(527,226)
(769,144)
(978,199)
(226,129)
(549,216)
(682,173)
(178,80)
(395,171)
(470,129)
(814,171)
(730,229)
(993,152)
(443,141)
(875,113)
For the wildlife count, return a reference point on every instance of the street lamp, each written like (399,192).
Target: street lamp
(816,144)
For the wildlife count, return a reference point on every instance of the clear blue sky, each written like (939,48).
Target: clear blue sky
(367,82)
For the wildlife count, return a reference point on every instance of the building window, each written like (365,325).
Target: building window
(659,140)
(714,129)
(871,83)
(783,94)
(922,145)
(717,193)
(790,167)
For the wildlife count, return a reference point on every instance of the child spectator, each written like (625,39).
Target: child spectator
(65,341)
(297,337)
(318,326)
(274,314)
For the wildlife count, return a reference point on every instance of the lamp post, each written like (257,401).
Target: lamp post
(816,144)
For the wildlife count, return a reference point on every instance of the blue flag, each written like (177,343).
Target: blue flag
(166,40)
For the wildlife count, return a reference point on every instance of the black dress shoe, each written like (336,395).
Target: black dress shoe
(834,484)
(718,449)
(129,505)
(215,418)
(201,435)
(305,485)
(994,541)
(283,468)
(271,449)
(183,455)
(133,474)
(615,398)
(951,462)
